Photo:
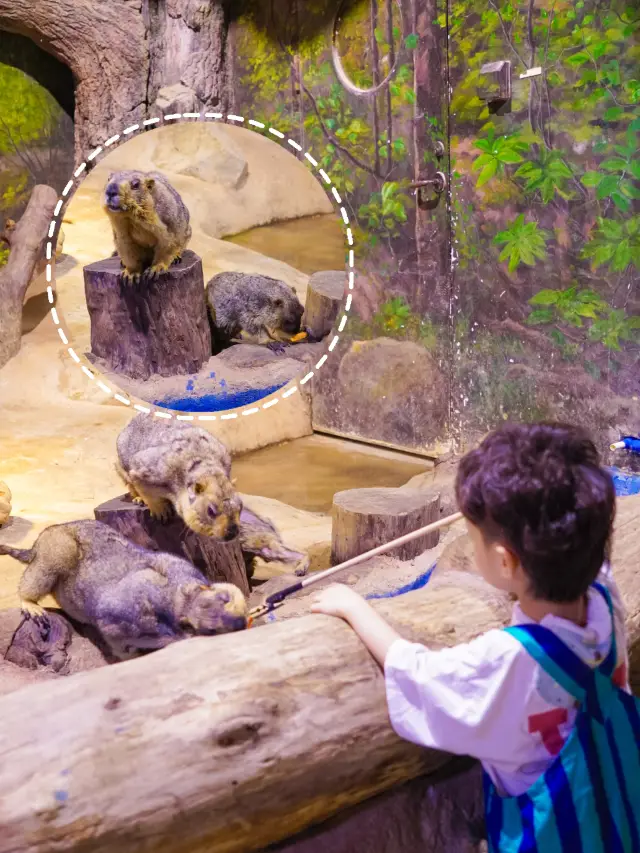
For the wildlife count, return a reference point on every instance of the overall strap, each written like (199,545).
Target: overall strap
(608,665)
(559,661)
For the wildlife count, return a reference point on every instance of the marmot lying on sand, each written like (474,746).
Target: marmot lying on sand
(175,464)
(150,222)
(138,600)
(254,306)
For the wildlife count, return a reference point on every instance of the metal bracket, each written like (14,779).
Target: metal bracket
(437,185)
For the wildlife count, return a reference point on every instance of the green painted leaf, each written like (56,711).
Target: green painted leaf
(591,179)
(487,173)
(620,201)
(607,185)
(613,114)
(616,164)
(411,41)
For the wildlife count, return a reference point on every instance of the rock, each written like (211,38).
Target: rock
(389,390)
(193,150)
(149,328)
(177,98)
(5,503)
(442,812)
(29,654)
(366,518)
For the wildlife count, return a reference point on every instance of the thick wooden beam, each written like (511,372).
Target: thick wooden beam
(232,743)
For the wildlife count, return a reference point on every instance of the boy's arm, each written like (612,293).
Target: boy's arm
(467,699)
(376,634)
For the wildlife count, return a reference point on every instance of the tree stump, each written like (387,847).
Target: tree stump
(219,562)
(325,292)
(152,327)
(366,518)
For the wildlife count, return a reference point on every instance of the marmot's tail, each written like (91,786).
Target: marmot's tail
(25,555)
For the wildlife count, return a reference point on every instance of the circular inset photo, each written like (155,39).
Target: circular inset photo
(205,267)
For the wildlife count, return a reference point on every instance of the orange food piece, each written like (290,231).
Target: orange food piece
(301,336)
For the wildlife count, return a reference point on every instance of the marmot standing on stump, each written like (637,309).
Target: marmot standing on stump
(150,222)
(138,600)
(258,306)
(175,464)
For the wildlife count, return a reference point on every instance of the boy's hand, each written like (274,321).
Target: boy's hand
(336,600)
(342,601)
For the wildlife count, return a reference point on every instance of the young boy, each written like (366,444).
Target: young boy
(539,510)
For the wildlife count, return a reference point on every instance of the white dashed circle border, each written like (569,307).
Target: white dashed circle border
(92,374)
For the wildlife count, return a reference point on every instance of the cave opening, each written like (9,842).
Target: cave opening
(37,104)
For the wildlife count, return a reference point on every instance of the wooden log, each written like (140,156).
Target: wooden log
(366,518)
(233,743)
(325,293)
(26,241)
(218,561)
(152,327)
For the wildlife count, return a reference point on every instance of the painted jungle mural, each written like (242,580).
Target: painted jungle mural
(546,219)
(505,285)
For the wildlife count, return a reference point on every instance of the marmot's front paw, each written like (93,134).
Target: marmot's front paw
(32,610)
(176,260)
(129,277)
(277,346)
(155,270)
(302,568)
(163,514)
(136,500)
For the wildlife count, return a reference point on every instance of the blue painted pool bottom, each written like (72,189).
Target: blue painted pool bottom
(220,401)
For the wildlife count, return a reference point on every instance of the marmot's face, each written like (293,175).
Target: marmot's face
(126,191)
(291,312)
(218,609)
(212,507)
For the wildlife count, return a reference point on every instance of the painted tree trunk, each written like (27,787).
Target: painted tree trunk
(218,561)
(432,225)
(129,60)
(151,327)
(366,518)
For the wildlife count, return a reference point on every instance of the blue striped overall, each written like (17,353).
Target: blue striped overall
(588,800)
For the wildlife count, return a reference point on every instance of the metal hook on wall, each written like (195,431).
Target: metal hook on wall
(341,74)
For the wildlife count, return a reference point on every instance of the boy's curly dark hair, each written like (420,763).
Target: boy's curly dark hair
(541,491)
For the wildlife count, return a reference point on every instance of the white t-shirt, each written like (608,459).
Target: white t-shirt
(489,699)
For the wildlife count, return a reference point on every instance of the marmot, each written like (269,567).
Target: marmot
(259,538)
(262,308)
(175,464)
(138,600)
(150,222)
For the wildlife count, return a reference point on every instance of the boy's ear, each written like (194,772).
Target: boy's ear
(508,562)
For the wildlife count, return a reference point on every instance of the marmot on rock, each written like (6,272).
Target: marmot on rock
(150,222)
(138,600)
(175,464)
(262,308)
